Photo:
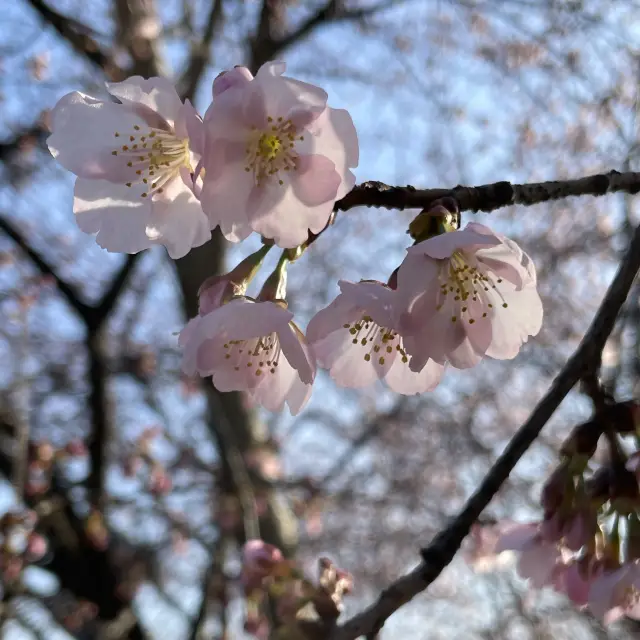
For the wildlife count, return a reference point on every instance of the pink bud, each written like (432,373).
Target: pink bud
(76,448)
(36,547)
(160,482)
(259,558)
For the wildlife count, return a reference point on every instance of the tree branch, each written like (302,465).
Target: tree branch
(78,37)
(488,197)
(200,54)
(333,11)
(68,292)
(265,46)
(441,551)
(111,295)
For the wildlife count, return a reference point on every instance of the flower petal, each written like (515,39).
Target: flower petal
(444,245)
(114,213)
(316,181)
(157,94)
(83,138)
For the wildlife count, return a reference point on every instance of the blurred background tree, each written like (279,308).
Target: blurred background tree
(146,483)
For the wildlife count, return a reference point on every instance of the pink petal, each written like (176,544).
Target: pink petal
(332,318)
(236,77)
(297,353)
(179,223)
(298,396)
(444,245)
(316,181)
(287,97)
(503,263)
(517,537)
(158,94)
(114,213)
(402,380)
(243,319)
(537,564)
(189,125)
(83,137)
(512,326)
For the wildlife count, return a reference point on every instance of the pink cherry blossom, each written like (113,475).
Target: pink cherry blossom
(538,557)
(276,157)
(254,347)
(133,159)
(356,339)
(574,580)
(466,294)
(616,593)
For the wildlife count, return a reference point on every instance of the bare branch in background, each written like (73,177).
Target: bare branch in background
(79,37)
(200,53)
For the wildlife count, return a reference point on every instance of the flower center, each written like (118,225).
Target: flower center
(466,291)
(272,150)
(376,341)
(259,355)
(157,156)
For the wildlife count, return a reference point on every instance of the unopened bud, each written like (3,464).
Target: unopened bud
(217,290)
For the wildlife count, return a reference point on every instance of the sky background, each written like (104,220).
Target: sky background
(436,103)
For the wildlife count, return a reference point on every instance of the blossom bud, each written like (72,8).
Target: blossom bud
(36,547)
(217,290)
(440,217)
(275,286)
(76,448)
(160,482)
(259,559)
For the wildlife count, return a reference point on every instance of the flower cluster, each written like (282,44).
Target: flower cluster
(587,545)
(270,580)
(270,157)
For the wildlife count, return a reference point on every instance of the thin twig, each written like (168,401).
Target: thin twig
(441,551)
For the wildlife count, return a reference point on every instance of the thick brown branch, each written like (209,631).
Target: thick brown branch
(445,545)
(488,197)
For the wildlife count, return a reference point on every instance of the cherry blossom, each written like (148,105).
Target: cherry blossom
(133,158)
(251,346)
(466,294)
(356,339)
(616,593)
(276,157)
(538,557)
